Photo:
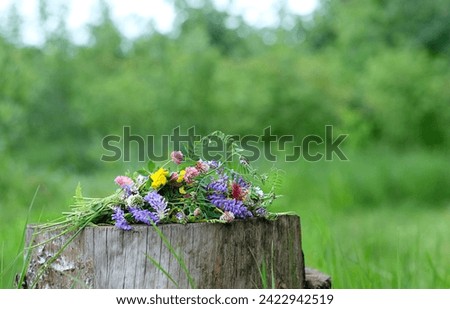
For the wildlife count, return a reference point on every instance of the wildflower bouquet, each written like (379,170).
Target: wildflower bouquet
(184,189)
(193,191)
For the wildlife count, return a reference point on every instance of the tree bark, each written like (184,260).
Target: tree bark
(243,254)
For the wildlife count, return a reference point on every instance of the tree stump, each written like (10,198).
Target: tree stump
(314,279)
(241,254)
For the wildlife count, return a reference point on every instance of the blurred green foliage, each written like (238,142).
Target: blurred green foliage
(377,70)
(372,69)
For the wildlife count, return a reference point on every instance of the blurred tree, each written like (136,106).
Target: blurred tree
(17,74)
(409,95)
(422,23)
(376,69)
(320,31)
(52,119)
(363,27)
(106,40)
(214,23)
(13,27)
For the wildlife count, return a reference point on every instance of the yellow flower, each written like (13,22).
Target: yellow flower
(182,191)
(159,178)
(181,176)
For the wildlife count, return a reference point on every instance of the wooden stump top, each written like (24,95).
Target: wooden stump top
(217,256)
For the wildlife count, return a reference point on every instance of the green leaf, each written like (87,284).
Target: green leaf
(78,194)
(184,149)
(143,172)
(183,165)
(151,165)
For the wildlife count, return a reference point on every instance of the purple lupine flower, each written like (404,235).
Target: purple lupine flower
(227,204)
(119,217)
(241,182)
(216,199)
(261,212)
(181,217)
(128,190)
(143,215)
(158,203)
(213,164)
(220,185)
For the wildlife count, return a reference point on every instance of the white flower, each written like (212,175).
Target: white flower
(258,191)
(135,200)
(141,179)
(227,216)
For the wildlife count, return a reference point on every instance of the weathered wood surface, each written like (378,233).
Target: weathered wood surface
(217,256)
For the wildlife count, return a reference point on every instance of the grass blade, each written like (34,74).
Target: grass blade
(158,265)
(177,256)
(262,270)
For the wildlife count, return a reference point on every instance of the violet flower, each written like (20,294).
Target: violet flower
(144,215)
(228,204)
(119,218)
(158,203)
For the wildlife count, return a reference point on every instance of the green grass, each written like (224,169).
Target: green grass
(382,248)
(377,221)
